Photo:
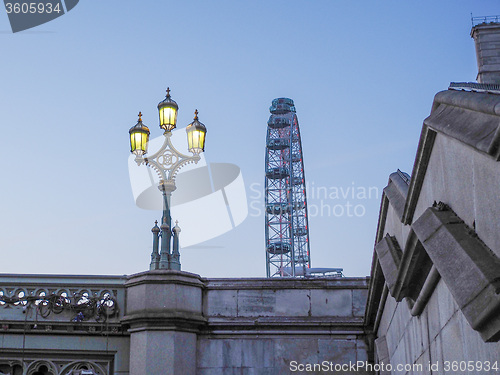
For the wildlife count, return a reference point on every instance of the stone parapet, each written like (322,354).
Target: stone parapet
(164,313)
(173,322)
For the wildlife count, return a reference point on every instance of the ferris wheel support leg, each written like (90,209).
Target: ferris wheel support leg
(268,271)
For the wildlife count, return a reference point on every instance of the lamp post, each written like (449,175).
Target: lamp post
(166,162)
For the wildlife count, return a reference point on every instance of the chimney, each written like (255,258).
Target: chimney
(487,39)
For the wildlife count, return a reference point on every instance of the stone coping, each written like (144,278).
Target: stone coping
(167,276)
(9,279)
(289,283)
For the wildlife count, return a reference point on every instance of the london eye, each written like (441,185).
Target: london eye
(287,230)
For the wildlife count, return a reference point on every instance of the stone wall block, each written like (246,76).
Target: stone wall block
(359,297)
(208,371)
(331,302)
(257,354)
(396,327)
(220,303)
(231,353)
(447,306)
(423,361)
(209,353)
(423,325)
(388,314)
(486,182)
(452,340)
(393,226)
(403,318)
(457,168)
(432,313)
(184,362)
(256,302)
(261,371)
(392,342)
(219,371)
(269,353)
(407,344)
(436,354)
(361,351)
(381,349)
(294,349)
(337,351)
(174,353)
(414,338)
(293,302)
(399,357)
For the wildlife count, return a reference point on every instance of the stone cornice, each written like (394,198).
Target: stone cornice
(288,283)
(165,277)
(184,321)
(39,280)
(424,151)
(71,328)
(285,326)
(470,117)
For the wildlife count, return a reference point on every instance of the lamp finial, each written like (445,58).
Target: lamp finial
(196,114)
(168,92)
(140,116)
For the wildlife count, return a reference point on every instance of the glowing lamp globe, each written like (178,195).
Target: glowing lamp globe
(139,137)
(167,109)
(196,132)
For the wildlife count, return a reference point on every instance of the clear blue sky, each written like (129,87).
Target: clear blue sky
(362,74)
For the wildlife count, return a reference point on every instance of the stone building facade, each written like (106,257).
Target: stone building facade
(434,299)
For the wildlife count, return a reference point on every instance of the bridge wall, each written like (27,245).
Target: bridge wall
(173,322)
(271,326)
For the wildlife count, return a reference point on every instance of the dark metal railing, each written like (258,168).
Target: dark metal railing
(404,176)
(473,86)
(484,19)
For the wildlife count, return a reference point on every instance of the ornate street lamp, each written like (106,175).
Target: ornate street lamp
(196,135)
(139,137)
(166,162)
(167,109)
